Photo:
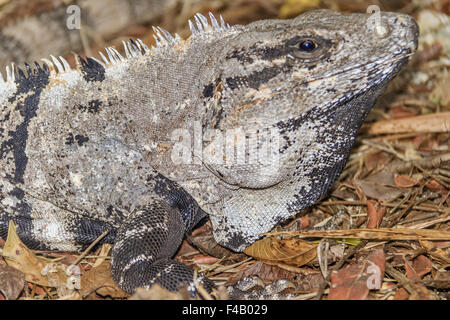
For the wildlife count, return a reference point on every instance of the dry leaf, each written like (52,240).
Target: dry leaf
(99,279)
(374,216)
(421,265)
(36,269)
(405,181)
(205,260)
(376,159)
(354,281)
(401,294)
(293,251)
(38,290)
(403,112)
(435,186)
(12,282)
(379,186)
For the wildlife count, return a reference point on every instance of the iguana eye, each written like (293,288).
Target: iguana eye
(307,46)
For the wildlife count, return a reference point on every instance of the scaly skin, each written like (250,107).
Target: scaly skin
(98,148)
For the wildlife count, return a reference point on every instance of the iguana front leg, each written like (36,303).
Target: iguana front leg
(144,247)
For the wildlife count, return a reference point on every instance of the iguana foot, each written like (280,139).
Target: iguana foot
(144,246)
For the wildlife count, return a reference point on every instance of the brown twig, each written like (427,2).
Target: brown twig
(85,252)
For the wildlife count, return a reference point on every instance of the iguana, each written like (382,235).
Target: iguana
(245,124)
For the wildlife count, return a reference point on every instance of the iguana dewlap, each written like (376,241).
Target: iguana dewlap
(147,145)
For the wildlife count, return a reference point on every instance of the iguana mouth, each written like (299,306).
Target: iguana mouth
(400,61)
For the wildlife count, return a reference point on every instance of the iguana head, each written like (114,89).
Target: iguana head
(279,69)
(302,88)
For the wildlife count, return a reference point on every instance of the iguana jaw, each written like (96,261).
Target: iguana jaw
(247,213)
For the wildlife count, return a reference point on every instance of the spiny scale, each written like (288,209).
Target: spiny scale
(203,25)
(131,48)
